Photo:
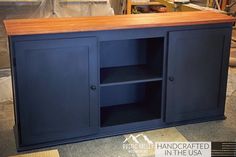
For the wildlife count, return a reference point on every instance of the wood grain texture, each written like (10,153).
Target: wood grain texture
(82,24)
(50,153)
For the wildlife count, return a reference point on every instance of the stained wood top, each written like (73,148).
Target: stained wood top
(82,24)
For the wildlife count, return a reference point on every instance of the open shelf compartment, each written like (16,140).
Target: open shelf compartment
(130,61)
(129,103)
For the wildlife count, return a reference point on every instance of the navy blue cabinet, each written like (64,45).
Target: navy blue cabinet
(194,77)
(70,87)
(56,94)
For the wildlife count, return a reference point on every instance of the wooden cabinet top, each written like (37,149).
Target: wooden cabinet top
(82,24)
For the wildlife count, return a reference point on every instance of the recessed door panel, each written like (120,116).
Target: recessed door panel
(54,98)
(194,73)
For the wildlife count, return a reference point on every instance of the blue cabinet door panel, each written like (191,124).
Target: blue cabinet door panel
(195,59)
(53,85)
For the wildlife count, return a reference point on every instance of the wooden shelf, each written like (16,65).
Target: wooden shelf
(128,74)
(146,3)
(130,4)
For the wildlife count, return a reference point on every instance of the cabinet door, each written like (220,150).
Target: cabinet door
(197,65)
(53,89)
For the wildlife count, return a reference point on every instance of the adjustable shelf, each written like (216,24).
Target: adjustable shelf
(128,74)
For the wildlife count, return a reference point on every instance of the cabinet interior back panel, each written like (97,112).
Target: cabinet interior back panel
(131,52)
